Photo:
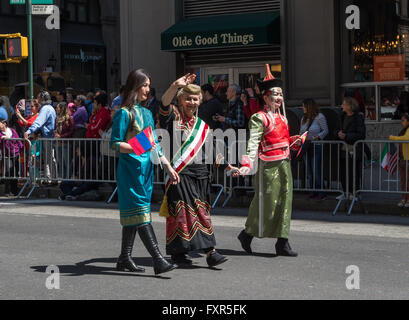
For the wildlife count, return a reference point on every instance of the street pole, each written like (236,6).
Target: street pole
(30,48)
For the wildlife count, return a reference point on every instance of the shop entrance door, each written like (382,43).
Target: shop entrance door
(221,78)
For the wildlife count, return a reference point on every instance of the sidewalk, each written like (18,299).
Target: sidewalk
(384,204)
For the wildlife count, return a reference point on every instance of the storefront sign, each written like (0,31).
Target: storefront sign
(389,68)
(223,39)
(82,57)
(223,31)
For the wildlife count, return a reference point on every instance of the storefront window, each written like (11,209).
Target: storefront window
(83,11)
(383,36)
(375,58)
(84,67)
(220,83)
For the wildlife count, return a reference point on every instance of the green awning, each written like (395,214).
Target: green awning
(223,31)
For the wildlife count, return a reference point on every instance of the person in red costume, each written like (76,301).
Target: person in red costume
(269,146)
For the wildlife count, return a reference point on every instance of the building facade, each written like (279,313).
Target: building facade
(85,50)
(308,43)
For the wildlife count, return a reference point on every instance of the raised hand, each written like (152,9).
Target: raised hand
(185,80)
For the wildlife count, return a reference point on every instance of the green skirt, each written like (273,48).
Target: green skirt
(277,198)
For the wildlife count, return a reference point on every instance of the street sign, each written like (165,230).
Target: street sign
(42,10)
(32,2)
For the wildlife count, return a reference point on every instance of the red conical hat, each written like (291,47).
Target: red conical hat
(269,75)
(268,82)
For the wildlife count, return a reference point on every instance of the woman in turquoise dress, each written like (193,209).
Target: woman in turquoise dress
(135,174)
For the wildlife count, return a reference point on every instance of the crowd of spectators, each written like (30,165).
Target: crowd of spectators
(87,118)
(74,130)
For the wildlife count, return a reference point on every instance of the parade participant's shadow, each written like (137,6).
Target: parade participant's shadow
(86,268)
(193,267)
(197,255)
(228,252)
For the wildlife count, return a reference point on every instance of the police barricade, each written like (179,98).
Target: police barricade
(385,170)
(15,165)
(321,170)
(73,161)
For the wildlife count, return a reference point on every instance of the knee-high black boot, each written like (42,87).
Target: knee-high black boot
(125,261)
(160,264)
(283,248)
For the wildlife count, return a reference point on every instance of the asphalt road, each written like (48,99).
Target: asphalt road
(83,240)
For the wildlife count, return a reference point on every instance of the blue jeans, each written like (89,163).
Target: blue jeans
(64,161)
(313,162)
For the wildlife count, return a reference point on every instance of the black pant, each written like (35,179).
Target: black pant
(343,173)
(11,168)
(67,188)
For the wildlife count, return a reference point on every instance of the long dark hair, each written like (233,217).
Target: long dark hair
(404,102)
(313,111)
(135,81)
(403,131)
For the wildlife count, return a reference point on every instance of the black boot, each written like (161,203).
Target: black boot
(283,248)
(181,259)
(125,261)
(215,258)
(160,264)
(245,240)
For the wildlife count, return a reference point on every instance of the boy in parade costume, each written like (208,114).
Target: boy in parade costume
(271,208)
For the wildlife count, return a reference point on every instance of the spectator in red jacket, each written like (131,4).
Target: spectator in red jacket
(99,121)
(100,118)
(27,122)
(64,129)
(251,103)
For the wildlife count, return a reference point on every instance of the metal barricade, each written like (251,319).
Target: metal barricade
(323,169)
(388,174)
(15,165)
(59,160)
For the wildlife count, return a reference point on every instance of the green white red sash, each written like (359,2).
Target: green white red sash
(189,148)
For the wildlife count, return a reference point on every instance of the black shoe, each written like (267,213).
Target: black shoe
(125,261)
(283,248)
(245,240)
(215,258)
(181,260)
(160,264)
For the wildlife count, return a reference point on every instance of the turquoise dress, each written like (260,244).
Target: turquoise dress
(134,173)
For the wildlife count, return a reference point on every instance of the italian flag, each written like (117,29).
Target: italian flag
(389,158)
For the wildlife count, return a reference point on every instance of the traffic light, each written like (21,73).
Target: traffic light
(13,48)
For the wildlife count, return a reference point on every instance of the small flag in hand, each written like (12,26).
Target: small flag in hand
(143,142)
(303,138)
